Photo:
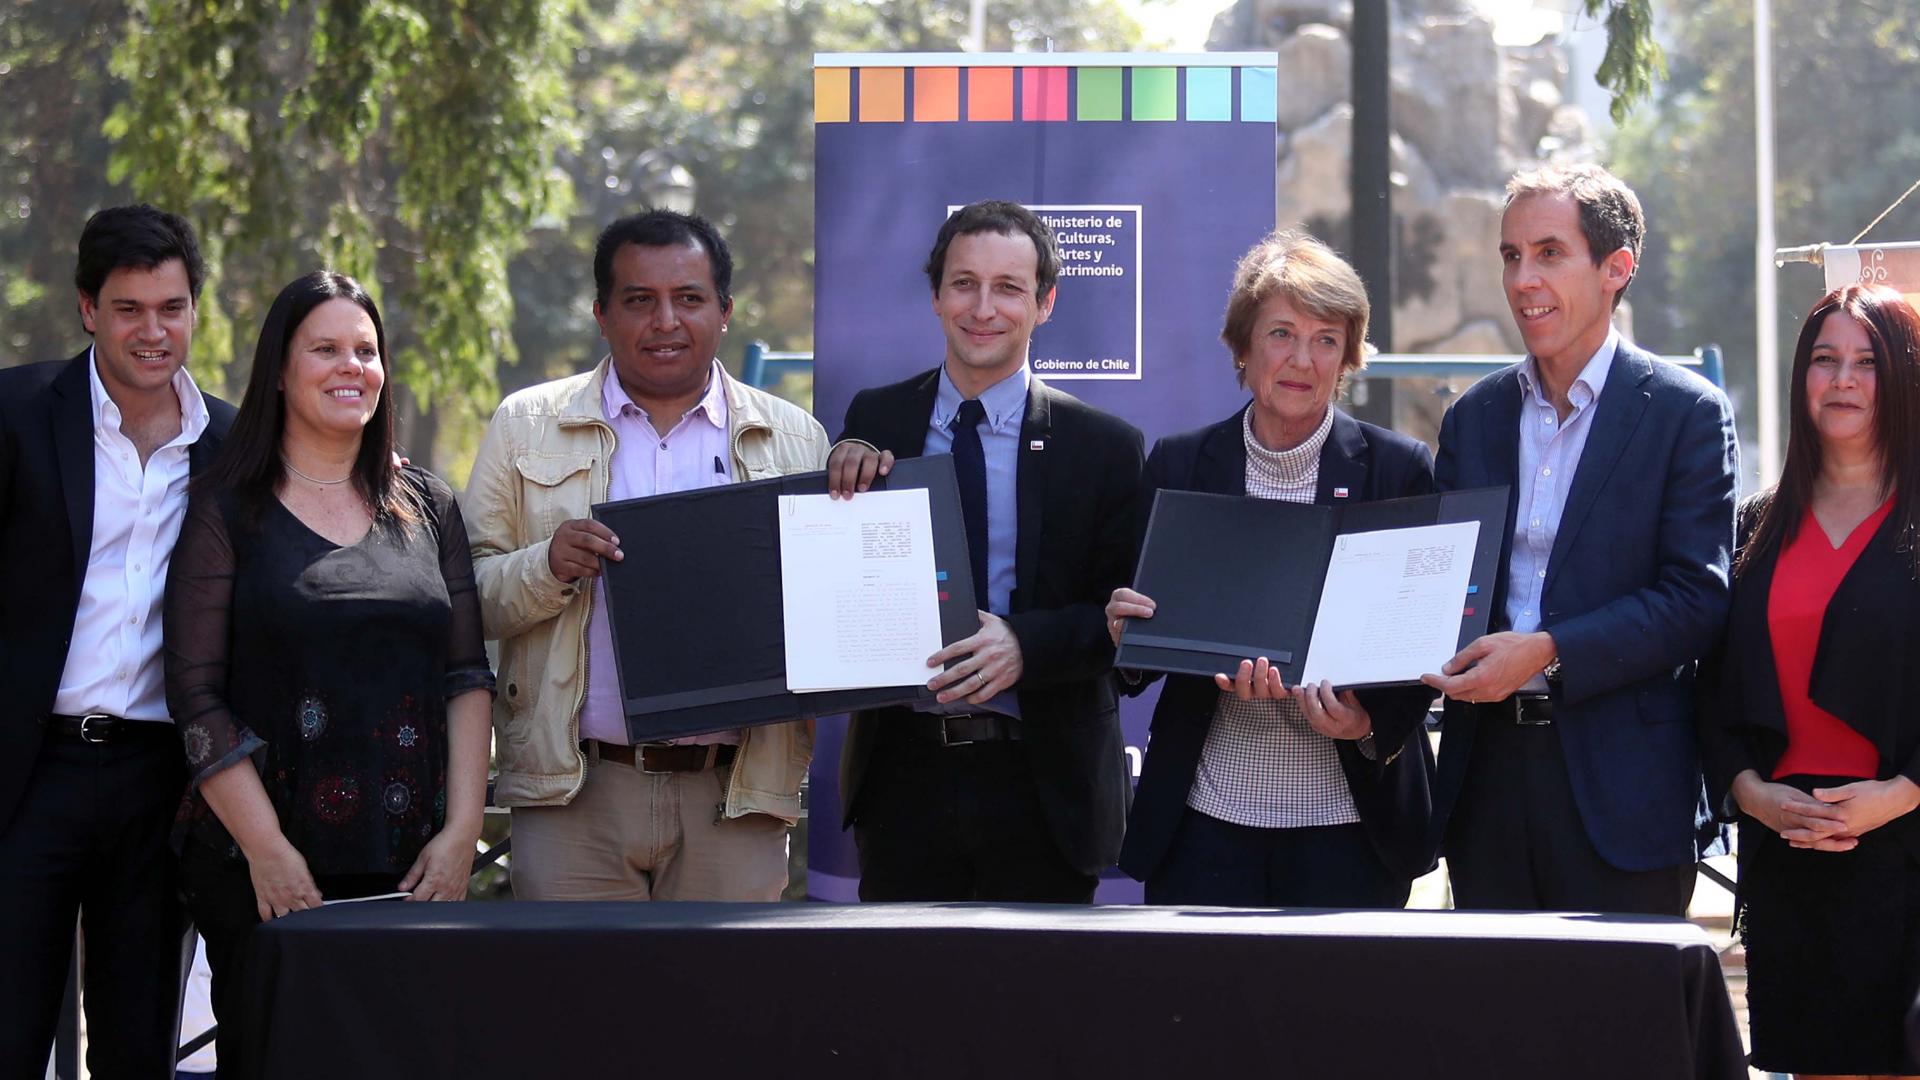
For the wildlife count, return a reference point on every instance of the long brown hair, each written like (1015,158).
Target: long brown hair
(1894,329)
(249,462)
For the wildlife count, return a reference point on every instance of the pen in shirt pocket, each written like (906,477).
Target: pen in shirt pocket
(719,470)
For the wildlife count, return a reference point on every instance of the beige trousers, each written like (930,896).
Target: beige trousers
(631,835)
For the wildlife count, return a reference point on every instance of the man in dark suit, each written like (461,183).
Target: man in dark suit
(1015,787)
(95,455)
(1568,774)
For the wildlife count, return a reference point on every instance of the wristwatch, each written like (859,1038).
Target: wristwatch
(1552,675)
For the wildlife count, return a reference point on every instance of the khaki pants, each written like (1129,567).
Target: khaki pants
(631,835)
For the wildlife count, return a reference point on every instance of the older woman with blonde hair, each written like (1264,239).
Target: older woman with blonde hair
(1255,794)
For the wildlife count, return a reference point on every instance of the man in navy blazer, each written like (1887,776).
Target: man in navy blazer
(1569,776)
(95,456)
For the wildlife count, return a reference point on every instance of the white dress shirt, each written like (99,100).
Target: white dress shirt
(114,661)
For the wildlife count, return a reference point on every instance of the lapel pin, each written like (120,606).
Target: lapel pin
(1339,493)
(1037,444)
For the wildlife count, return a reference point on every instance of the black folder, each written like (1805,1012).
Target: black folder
(1235,578)
(696,609)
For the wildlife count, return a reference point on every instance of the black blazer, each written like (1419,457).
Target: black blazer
(1391,795)
(1864,670)
(46,533)
(1079,500)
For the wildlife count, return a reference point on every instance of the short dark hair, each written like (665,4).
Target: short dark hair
(249,462)
(662,228)
(138,236)
(1610,214)
(1007,219)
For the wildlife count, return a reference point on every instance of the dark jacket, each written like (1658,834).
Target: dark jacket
(1078,482)
(46,534)
(1390,793)
(1636,592)
(1864,670)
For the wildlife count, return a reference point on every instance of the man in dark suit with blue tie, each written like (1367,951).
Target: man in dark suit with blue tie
(1568,774)
(95,456)
(1015,787)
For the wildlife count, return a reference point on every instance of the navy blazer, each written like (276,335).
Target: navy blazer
(1078,491)
(1636,592)
(1863,671)
(46,536)
(1391,794)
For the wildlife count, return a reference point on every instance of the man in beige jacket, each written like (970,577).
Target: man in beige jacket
(594,816)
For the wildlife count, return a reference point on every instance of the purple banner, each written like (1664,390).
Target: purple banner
(1155,172)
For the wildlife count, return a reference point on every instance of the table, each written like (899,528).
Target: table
(971,990)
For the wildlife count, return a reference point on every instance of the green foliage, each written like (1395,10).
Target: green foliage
(55,86)
(458,156)
(1844,76)
(407,142)
(1633,60)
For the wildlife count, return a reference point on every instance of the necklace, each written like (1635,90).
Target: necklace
(314,480)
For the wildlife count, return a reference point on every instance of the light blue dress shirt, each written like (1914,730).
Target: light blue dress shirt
(1006,406)
(1550,452)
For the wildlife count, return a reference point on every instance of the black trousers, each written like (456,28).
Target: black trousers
(219,893)
(1221,864)
(958,823)
(1516,841)
(89,841)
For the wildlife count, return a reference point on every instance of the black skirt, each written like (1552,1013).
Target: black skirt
(1833,950)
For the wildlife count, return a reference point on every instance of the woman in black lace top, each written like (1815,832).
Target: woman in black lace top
(324,658)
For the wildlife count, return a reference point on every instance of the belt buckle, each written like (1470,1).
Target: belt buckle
(1520,712)
(640,759)
(947,740)
(86,733)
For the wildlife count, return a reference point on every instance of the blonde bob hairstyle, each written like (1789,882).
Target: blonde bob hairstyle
(1313,279)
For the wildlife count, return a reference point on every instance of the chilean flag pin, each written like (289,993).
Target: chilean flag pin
(1037,444)
(1339,493)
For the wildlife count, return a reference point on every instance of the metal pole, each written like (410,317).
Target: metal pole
(1371,179)
(1372,164)
(1766,353)
(977,26)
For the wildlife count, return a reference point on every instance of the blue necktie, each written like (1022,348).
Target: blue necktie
(970,468)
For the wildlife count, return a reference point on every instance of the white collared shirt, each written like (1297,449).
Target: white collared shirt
(114,660)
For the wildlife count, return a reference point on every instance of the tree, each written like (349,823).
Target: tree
(1841,71)
(53,162)
(458,156)
(407,142)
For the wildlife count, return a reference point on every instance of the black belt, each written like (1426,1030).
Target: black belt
(1528,710)
(663,757)
(963,729)
(101,728)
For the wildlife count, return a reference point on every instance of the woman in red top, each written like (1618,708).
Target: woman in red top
(1813,731)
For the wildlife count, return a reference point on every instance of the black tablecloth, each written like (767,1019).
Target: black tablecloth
(713,990)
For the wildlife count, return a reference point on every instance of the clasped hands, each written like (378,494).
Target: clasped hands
(1829,819)
(1335,715)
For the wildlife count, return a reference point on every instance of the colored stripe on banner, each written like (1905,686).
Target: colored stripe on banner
(1210,94)
(1043,93)
(1259,103)
(832,95)
(990,94)
(1100,97)
(1156,93)
(936,94)
(883,95)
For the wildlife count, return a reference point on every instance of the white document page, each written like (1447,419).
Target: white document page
(857,581)
(1391,608)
